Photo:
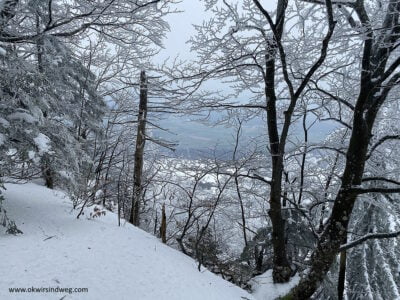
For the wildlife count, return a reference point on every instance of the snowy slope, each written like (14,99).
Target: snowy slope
(57,250)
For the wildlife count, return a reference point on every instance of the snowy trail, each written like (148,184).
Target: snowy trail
(57,250)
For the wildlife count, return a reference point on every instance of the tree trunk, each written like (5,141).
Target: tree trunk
(335,233)
(342,275)
(48,176)
(139,152)
(281,267)
(47,172)
(163,227)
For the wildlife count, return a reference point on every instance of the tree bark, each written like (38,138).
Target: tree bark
(47,175)
(139,152)
(281,267)
(342,274)
(163,227)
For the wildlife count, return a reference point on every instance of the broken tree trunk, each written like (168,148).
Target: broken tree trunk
(163,227)
(139,152)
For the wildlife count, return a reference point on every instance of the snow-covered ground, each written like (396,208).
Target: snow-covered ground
(59,251)
(265,289)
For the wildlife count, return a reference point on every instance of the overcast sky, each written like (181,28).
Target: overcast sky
(188,132)
(193,12)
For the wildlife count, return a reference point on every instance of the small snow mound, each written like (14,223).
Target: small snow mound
(265,289)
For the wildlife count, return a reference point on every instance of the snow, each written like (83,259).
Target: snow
(307,203)
(32,156)
(58,250)
(264,288)
(22,116)
(4,123)
(2,139)
(392,223)
(42,142)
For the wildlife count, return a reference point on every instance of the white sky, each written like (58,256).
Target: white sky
(193,12)
(181,24)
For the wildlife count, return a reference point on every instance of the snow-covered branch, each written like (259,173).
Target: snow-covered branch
(367,237)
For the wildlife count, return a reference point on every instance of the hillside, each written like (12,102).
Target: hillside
(58,250)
